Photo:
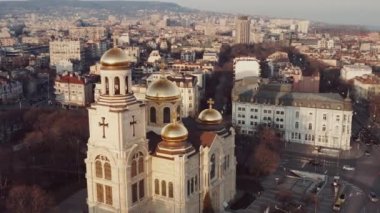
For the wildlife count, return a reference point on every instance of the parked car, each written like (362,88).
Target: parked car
(348,168)
(367,153)
(342,198)
(373,197)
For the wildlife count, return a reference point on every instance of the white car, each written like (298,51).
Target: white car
(348,168)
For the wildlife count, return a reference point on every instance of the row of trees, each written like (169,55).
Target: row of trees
(51,152)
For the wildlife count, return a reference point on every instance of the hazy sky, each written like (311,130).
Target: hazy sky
(364,12)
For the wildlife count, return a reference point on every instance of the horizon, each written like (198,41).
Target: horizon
(339,12)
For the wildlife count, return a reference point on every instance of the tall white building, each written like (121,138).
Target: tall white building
(131,169)
(65,50)
(303,26)
(246,67)
(243,30)
(349,72)
(319,119)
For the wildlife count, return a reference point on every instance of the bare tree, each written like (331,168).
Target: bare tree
(25,199)
(207,204)
(263,161)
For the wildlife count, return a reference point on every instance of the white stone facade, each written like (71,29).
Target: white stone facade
(305,124)
(349,72)
(246,67)
(125,175)
(65,50)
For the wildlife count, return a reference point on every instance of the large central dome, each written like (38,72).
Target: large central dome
(114,58)
(162,89)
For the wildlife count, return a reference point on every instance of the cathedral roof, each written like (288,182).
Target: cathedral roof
(114,58)
(197,136)
(162,89)
(210,115)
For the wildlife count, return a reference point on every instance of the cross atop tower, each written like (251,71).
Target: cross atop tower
(210,103)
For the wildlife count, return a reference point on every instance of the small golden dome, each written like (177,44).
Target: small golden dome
(114,58)
(174,132)
(210,115)
(162,89)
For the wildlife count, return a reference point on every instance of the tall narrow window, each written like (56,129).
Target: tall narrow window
(157,186)
(108,195)
(141,189)
(196,182)
(107,171)
(98,169)
(212,167)
(152,115)
(99,193)
(134,168)
(192,185)
(166,115)
(141,164)
(171,190)
(188,187)
(107,86)
(163,188)
(310,126)
(117,86)
(134,192)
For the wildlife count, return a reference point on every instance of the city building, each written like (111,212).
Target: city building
(243,30)
(10,91)
(349,72)
(318,119)
(188,56)
(131,169)
(73,90)
(367,86)
(154,56)
(246,67)
(65,50)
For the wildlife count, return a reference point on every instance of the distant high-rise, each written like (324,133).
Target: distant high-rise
(243,30)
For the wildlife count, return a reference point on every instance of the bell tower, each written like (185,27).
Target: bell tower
(117,153)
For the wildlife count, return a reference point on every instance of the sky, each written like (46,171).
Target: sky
(357,12)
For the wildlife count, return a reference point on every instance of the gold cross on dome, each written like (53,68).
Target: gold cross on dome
(210,103)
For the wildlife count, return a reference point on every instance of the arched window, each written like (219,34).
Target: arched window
(134,168)
(171,190)
(152,115)
(163,188)
(157,186)
(102,167)
(107,171)
(141,165)
(117,86)
(107,86)
(126,85)
(166,115)
(98,169)
(212,167)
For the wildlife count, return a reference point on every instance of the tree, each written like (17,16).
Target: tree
(264,161)
(25,199)
(207,204)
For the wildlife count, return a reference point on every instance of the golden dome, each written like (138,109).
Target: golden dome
(114,58)
(210,115)
(162,89)
(174,133)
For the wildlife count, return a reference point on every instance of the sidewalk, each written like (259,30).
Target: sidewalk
(355,152)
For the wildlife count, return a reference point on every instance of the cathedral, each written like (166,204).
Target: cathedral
(143,157)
